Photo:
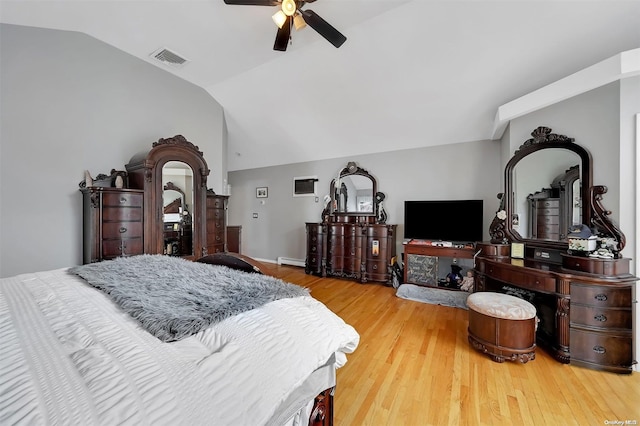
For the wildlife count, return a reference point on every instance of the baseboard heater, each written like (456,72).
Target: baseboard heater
(290,261)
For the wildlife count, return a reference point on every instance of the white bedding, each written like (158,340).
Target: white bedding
(68,355)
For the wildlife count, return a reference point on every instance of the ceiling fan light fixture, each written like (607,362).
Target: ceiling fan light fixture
(279,18)
(289,7)
(299,22)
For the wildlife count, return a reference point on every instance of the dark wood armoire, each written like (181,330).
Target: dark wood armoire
(162,207)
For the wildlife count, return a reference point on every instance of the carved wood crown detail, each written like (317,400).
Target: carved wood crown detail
(543,134)
(177,140)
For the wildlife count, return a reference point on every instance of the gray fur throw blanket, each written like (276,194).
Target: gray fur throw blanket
(174,298)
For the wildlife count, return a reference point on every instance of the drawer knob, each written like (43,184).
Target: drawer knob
(599,349)
(123,200)
(375,266)
(122,229)
(600,297)
(601,318)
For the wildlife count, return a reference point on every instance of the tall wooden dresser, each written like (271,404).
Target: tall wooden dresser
(113,223)
(360,251)
(216,222)
(352,241)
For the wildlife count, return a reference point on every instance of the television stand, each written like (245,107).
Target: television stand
(419,260)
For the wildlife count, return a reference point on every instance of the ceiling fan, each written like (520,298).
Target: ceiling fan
(291,15)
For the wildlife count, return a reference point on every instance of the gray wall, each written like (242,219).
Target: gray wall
(459,171)
(70,103)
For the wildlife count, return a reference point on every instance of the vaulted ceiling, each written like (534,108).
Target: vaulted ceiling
(412,73)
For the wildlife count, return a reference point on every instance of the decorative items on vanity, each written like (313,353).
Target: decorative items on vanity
(582,293)
(352,241)
(162,207)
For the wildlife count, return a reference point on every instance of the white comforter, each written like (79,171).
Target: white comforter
(68,355)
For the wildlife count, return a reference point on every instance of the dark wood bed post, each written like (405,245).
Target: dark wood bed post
(322,413)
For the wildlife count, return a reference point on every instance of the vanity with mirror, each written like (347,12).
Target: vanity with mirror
(353,240)
(163,208)
(583,299)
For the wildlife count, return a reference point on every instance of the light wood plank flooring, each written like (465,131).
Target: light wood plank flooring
(414,366)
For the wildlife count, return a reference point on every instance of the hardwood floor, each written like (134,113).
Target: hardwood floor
(414,366)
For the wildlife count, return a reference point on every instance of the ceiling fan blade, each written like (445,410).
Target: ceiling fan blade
(282,37)
(323,28)
(253,2)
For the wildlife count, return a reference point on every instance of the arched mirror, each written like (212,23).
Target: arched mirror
(177,217)
(547,194)
(173,175)
(548,189)
(353,192)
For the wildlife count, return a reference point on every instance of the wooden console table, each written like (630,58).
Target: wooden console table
(416,269)
(585,318)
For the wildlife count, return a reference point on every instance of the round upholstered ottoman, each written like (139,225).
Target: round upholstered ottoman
(502,326)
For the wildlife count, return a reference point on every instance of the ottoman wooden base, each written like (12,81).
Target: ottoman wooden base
(503,339)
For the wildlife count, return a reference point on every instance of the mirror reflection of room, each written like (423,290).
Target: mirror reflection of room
(177,197)
(546,194)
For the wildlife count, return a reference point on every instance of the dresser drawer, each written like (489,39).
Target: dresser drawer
(115,214)
(215,248)
(379,231)
(597,317)
(540,204)
(599,296)
(548,219)
(545,211)
(214,226)
(215,214)
(119,230)
(123,199)
(602,349)
(215,203)
(124,247)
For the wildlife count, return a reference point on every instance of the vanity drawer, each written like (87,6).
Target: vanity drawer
(119,230)
(600,296)
(540,283)
(602,349)
(609,267)
(121,199)
(597,317)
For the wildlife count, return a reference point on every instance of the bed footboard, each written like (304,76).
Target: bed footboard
(322,413)
(234,261)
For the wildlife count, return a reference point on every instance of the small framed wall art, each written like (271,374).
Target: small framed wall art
(262,192)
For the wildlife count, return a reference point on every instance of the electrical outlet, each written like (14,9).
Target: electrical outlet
(255,215)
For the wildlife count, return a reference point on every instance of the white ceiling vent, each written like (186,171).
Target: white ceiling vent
(169,57)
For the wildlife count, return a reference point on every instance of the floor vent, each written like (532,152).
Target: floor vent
(169,57)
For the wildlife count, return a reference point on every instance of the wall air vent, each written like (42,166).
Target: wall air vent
(169,57)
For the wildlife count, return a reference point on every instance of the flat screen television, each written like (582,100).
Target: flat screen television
(452,220)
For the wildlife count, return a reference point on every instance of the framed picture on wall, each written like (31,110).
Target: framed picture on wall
(262,192)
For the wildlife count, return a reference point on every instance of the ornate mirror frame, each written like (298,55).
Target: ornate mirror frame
(352,169)
(145,171)
(593,213)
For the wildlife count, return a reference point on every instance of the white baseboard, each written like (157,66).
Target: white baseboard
(290,261)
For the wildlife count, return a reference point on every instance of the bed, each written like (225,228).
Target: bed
(74,353)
